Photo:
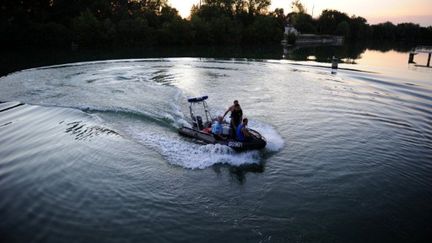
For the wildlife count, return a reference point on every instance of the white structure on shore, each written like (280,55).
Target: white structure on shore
(310,39)
(289,29)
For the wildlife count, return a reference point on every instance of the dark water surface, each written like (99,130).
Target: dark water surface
(93,155)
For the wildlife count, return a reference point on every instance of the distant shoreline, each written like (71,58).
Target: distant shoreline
(67,24)
(15,59)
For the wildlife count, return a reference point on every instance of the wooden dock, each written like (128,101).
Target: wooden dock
(419,50)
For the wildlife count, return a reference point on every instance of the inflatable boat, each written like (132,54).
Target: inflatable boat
(201,129)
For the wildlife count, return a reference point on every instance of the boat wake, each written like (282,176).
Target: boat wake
(187,153)
(135,100)
(179,151)
(274,141)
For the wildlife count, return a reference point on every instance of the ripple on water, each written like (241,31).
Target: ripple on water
(348,147)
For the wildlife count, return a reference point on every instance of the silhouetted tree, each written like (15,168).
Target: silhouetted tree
(384,31)
(257,7)
(359,28)
(329,20)
(298,7)
(280,16)
(303,22)
(154,22)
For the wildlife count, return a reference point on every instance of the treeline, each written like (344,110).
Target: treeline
(356,28)
(135,23)
(154,22)
(88,22)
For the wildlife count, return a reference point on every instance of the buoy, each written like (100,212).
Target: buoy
(334,63)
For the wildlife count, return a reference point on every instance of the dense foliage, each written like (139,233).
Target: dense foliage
(154,22)
(356,28)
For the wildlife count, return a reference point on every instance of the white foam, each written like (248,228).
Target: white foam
(180,151)
(274,141)
(181,122)
(168,117)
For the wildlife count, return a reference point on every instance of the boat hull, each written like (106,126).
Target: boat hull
(257,142)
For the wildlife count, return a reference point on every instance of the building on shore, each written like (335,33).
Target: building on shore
(294,37)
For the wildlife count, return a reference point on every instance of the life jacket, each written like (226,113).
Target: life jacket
(239,132)
(216,128)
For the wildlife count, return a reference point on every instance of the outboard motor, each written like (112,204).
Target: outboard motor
(199,122)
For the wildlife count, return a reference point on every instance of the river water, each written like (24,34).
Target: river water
(94,155)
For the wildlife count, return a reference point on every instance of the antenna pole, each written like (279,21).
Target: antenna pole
(313,6)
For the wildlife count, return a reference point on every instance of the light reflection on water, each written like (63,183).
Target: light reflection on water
(394,61)
(349,155)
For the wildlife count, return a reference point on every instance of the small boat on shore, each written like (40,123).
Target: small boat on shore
(201,129)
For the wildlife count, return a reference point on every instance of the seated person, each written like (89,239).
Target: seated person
(216,127)
(242,133)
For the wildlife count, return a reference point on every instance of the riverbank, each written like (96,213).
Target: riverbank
(15,59)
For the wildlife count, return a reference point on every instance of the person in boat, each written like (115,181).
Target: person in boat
(216,128)
(242,132)
(236,116)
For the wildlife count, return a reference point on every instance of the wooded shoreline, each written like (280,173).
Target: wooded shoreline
(96,23)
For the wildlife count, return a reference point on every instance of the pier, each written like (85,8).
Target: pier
(418,50)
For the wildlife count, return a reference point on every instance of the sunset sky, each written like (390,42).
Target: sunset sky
(375,11)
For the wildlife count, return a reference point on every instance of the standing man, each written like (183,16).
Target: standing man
(236,116)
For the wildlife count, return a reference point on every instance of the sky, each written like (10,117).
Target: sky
(375,11)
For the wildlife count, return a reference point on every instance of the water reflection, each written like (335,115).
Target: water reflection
(369,57)
(14,60)
(238,173)
(82,131)
(348,53)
